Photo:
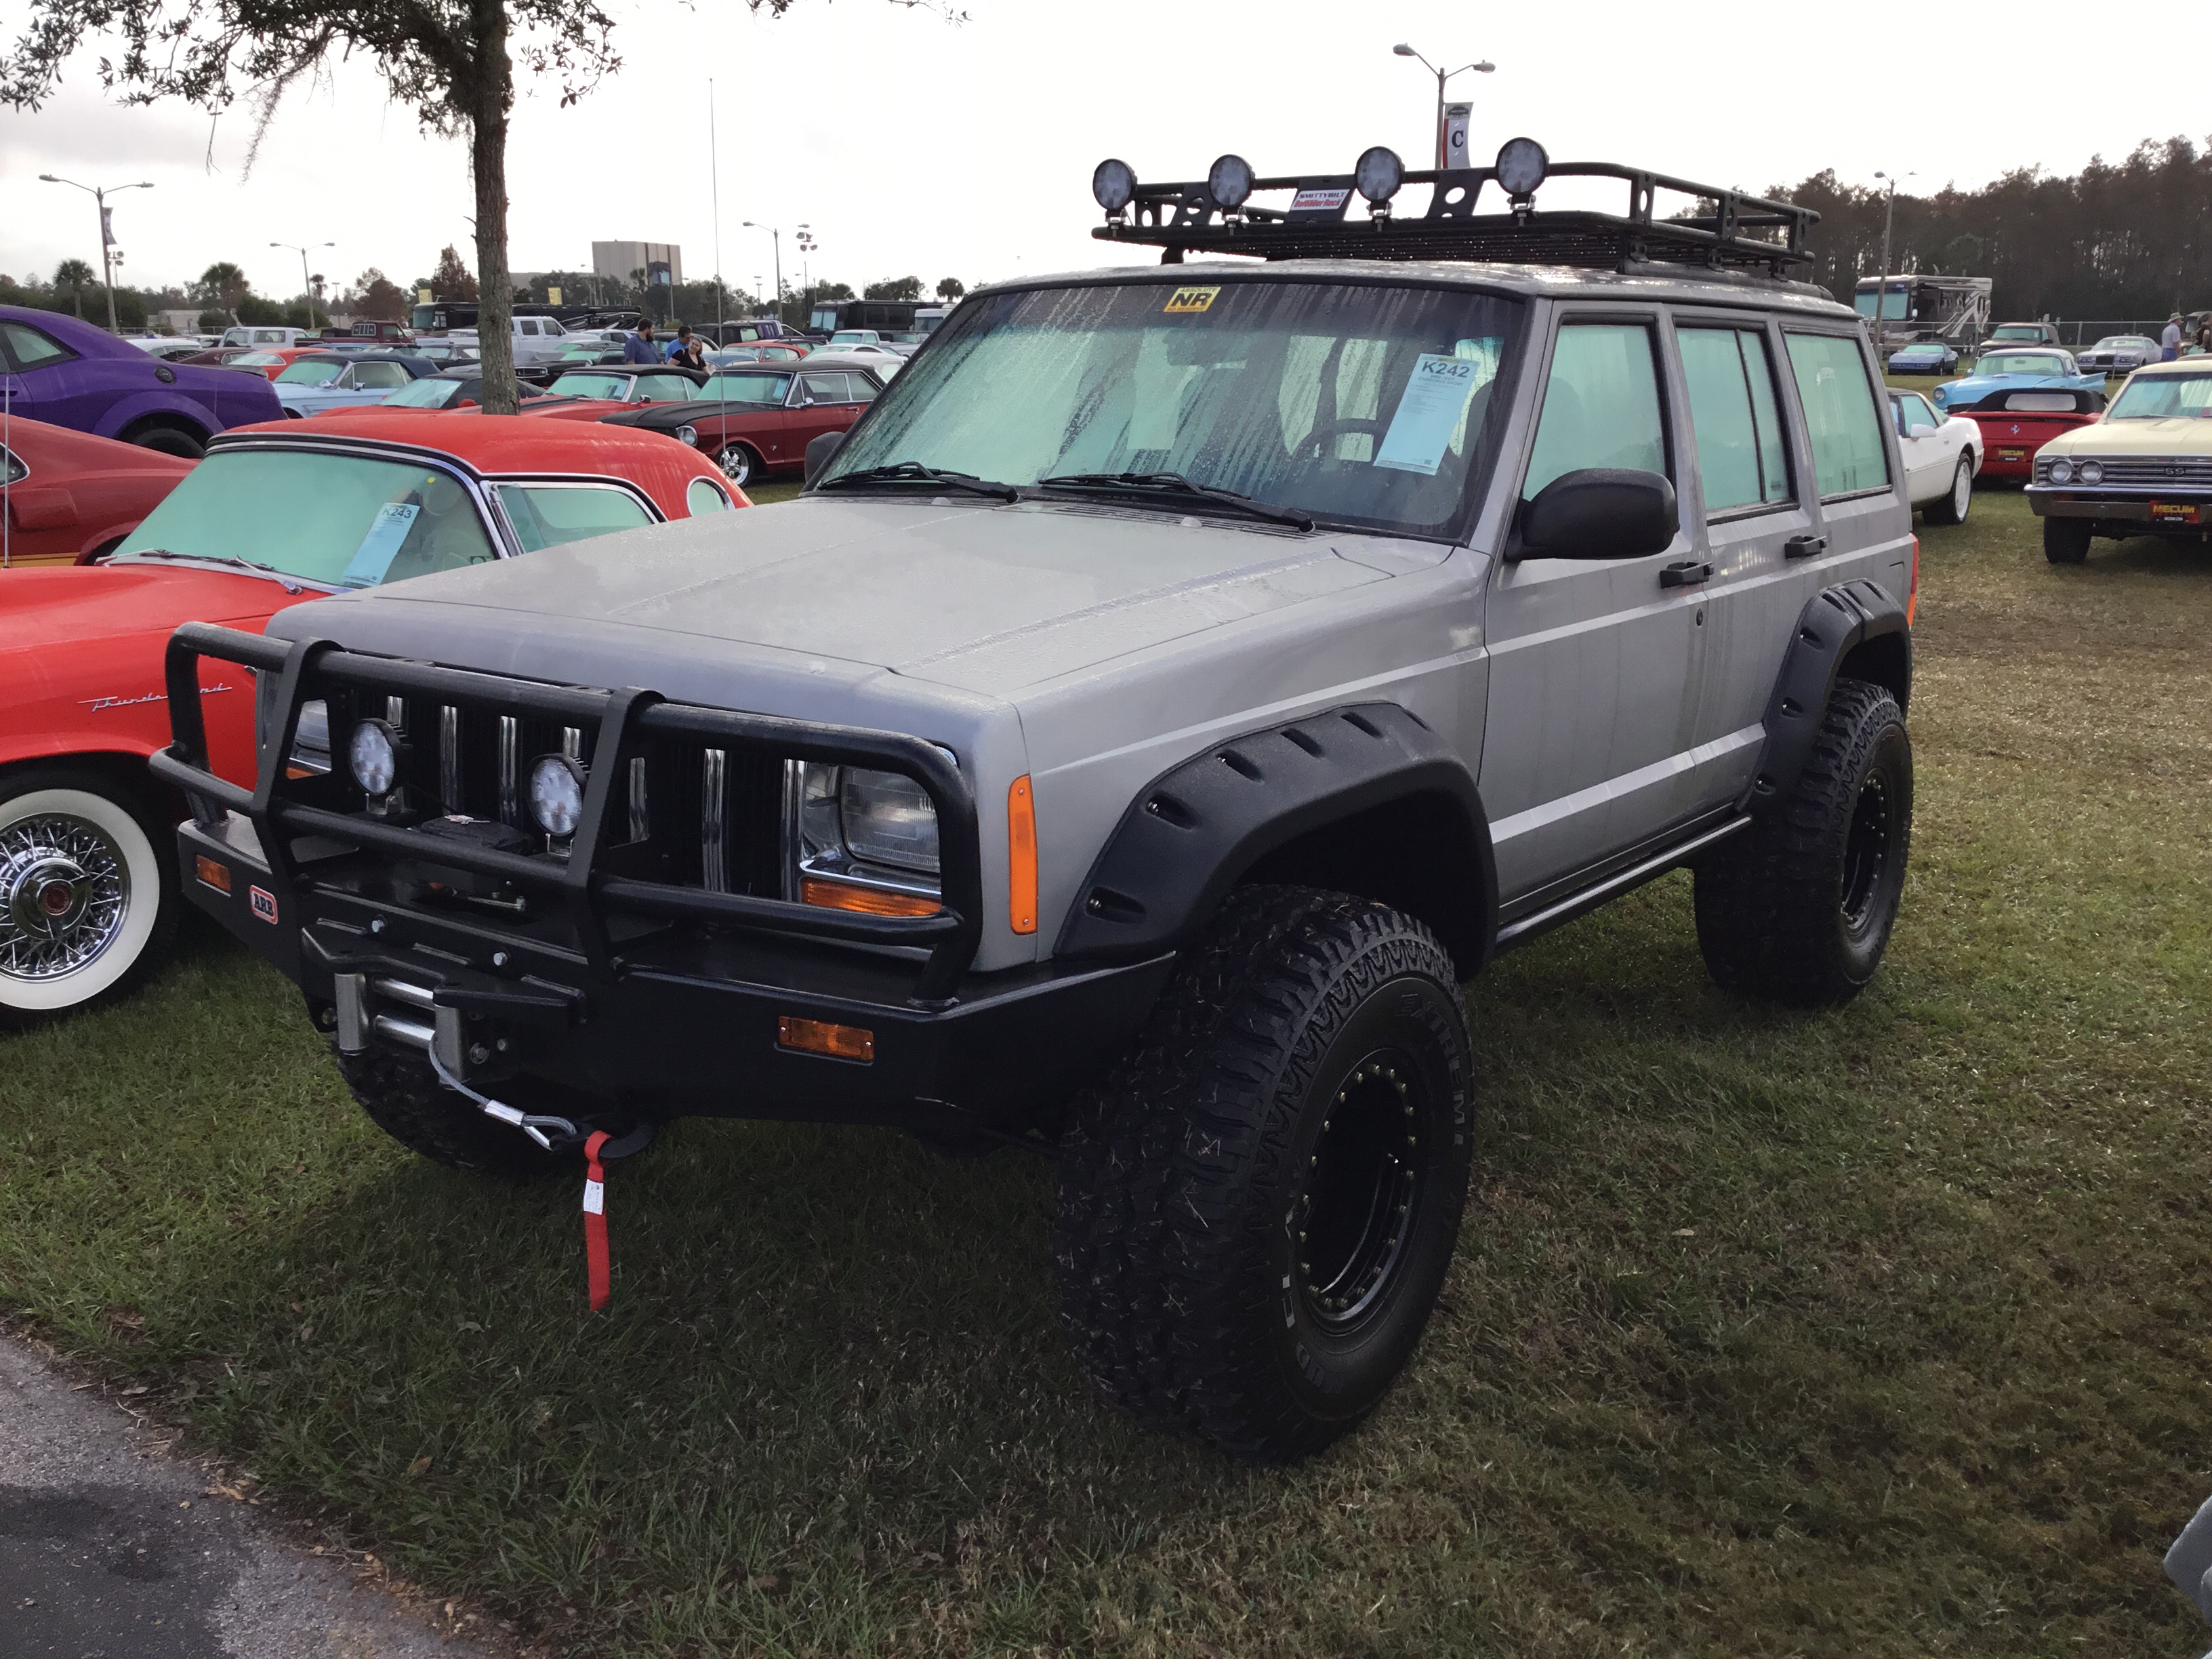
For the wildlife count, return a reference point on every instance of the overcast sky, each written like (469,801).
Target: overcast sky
(913,145)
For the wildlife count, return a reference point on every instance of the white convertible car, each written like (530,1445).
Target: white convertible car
(1942,453)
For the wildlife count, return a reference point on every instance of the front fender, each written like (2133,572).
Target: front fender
(1207,823)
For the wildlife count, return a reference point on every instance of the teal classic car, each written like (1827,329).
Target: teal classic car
(2044,378)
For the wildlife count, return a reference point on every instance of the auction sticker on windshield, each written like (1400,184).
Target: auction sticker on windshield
(1435,399)
(1184,300)
(385,532)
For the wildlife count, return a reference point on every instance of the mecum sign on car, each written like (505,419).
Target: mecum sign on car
(1176,682)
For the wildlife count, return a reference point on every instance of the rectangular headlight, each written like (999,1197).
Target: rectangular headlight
(853,821)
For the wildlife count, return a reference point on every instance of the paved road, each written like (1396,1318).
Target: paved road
(110,1549)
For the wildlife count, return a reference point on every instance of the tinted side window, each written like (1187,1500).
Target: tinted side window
(863,388)
(1601,405)
(702,497)
(1840,417)
(664,388)
(33,347)
(1742,455)
(547,515)
(826,388)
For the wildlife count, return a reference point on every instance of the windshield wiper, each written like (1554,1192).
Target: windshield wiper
(283,577)
(915,472)
(1175,484)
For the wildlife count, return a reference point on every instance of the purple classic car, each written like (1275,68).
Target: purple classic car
(65,372)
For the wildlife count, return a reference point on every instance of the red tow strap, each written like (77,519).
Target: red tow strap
(595,1221)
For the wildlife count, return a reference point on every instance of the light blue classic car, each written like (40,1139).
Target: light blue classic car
(1924,357)
(308,385)
(2046,377)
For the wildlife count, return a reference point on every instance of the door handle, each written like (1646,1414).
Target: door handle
(1804,547)
(1685,573)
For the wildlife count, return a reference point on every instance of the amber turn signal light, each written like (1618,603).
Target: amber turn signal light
(815,1037)
(1021,857)
(842,895)
(214,874)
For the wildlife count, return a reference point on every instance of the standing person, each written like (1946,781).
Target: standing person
(2204,333)
(641,348)
(686,352)
(2169,344)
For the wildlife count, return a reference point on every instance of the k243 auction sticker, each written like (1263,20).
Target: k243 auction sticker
(1436,396)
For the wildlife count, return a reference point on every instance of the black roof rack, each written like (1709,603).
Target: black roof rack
(1731,231)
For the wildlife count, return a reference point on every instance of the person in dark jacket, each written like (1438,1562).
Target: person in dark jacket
(641,347)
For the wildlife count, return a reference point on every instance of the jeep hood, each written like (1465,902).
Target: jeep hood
(985,597)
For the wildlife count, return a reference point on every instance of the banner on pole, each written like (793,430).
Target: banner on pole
(1455,134)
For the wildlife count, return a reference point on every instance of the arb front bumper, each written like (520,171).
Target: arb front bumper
(638,970)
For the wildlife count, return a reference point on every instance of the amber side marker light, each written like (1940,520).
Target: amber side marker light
(841,896)
(1021,857)
(1912,598)
(216,875)
(815,1037)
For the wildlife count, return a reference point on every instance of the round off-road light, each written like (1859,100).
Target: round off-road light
(1113,185)
(1229,181)
(373,756)
(1522,165)
(557,794)
(1378,172)
(688,434)
(2091,472)
(2062,471)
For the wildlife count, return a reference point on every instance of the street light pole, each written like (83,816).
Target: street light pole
(777,237)
(306,283)
(99,195)
(715,175)
(1881,286)
(1484,67)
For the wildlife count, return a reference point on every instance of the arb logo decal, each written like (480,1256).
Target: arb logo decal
(264,903)
(1189,299)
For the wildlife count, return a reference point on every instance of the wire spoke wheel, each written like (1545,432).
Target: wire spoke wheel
(64,894)
(1357,1200)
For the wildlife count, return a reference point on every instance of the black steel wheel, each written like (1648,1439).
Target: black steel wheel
(1799,908)
(1257,1211)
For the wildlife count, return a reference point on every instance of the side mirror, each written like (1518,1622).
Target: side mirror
(1599,512)
(466,403)
(821,451)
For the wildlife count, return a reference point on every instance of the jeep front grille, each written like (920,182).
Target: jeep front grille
(720,816)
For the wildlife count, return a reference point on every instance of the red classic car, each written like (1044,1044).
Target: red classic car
(70,496)
(270,362)
(593,394)
(279,512)
(755,421)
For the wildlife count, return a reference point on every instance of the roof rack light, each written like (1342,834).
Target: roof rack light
(1227,212)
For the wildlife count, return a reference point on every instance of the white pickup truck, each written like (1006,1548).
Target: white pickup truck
(537,339)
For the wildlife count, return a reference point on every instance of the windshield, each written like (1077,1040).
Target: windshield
(432,393)
(747,388)
(256,359)
(1364,404)
(2112,342)
(342,520)
(2155,397)
(2016,332)
(309,372)
(2019,362)
(592,386)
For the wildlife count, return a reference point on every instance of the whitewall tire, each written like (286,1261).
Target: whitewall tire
(86,901)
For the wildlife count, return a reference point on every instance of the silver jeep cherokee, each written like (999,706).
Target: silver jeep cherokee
(1177,685)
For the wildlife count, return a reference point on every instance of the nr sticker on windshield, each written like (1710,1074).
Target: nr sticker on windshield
(386,531)
(1189,299)
(1435,398)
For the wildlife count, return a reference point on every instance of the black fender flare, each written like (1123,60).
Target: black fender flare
(1834,622)
(1203,824)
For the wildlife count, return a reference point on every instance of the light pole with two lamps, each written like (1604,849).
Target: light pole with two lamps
(1888,216)
(1484,67)
(306,283)
(777,236)
(99,195)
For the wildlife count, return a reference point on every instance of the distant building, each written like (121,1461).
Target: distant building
(661,262)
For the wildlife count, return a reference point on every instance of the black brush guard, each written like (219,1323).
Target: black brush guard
(598,878)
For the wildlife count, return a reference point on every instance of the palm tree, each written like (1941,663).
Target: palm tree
(75,275)
(224,284)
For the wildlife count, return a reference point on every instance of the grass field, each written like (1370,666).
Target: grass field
(1878,1331)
